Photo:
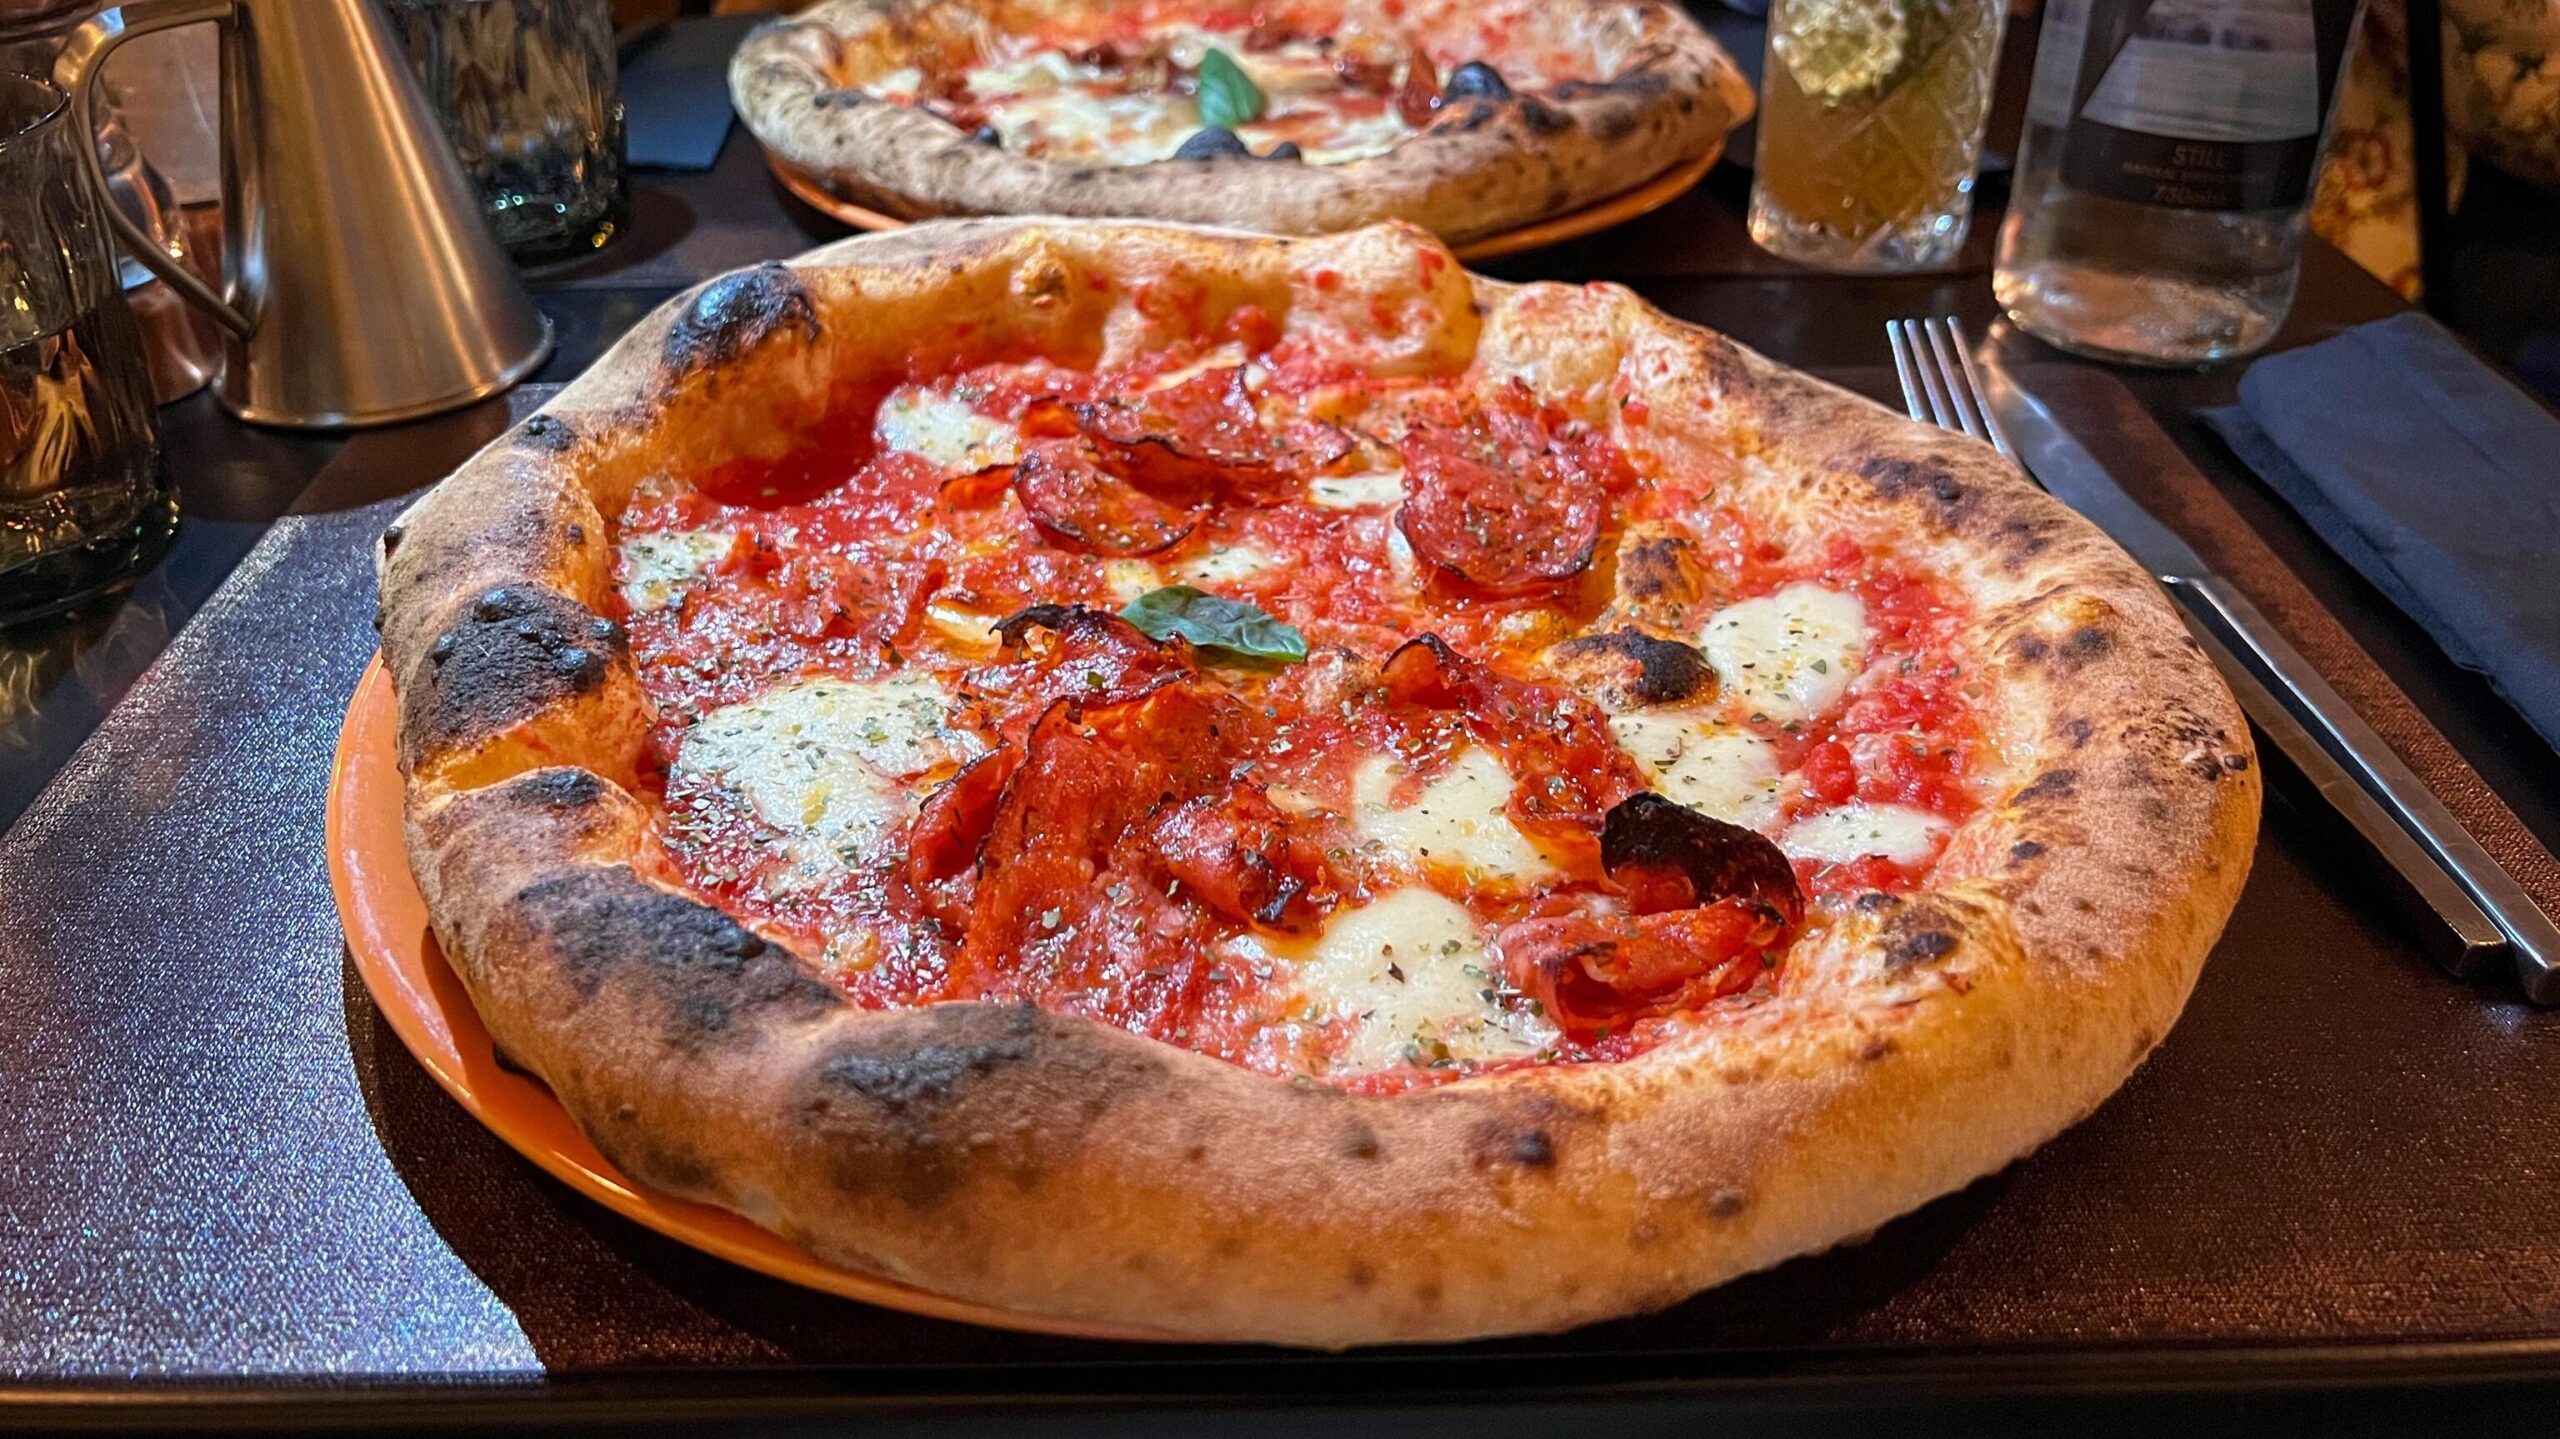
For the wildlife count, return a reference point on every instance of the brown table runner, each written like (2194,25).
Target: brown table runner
(2108,417)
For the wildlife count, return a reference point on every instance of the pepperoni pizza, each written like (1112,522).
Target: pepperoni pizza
(1277,789)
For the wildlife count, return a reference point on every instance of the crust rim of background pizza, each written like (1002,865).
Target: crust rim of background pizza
(1135,1183)
(1499,166)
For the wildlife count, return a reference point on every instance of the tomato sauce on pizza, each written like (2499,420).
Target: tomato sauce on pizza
(1301,81)
(1378,731)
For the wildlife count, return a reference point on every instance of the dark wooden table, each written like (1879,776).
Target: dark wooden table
(218,1162)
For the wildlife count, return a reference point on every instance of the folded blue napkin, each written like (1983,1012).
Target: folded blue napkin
(2431,474)
(675,93)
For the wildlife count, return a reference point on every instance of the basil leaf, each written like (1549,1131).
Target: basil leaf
(1228,96)
(1231,628)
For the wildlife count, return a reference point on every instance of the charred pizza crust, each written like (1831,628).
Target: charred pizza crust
(1664,94)
(1064,1167)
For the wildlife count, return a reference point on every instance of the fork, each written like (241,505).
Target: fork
(2484,913)
(1939,383)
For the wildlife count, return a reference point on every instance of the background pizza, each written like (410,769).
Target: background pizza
(1305,116)
(1276,789)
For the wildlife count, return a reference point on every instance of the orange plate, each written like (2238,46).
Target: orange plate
(1652,195)
(386,922)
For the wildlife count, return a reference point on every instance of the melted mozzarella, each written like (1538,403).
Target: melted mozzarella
(1854,831)
(1039,71)
(945,430)
(1228,356)
(1715,769)
(1114,129)
(900,85)
(1409,976)
(1789,655)
(1457,820)
(657,569)
(1373,490)
(821,761)
(1128,579)
(1349,139)
(968,632)
(1226,565)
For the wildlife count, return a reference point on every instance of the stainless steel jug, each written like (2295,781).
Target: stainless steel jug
(361,285)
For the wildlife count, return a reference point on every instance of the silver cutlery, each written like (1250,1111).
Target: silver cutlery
(2487,916)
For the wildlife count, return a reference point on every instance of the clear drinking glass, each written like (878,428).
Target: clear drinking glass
(528,92)
(85,501)
(1871,116)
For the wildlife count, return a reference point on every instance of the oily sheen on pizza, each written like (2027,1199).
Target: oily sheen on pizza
(1275,789)
(1297,116)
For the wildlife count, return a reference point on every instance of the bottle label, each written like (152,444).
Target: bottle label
(2192,104)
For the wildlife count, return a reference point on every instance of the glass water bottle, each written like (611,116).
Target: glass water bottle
(2171,145)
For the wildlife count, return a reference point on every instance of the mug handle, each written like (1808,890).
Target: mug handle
(83,56)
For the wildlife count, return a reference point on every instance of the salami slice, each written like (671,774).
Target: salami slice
(1071,652)
(1079,504)
(1121,850)
(1712,900)
(1597,974)
(953,821)
(1205,437)
(1508,497)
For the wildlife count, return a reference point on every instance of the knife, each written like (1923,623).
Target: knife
(2488,914)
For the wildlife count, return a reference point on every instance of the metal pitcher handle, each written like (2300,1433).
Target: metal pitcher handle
(76,71)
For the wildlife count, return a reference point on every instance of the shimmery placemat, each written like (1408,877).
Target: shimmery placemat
(215,1161)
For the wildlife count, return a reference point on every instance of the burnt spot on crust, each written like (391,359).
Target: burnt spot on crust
(2051,787)
(1643,669)
(1728,1203)
(2025,850)
(2020,538)
(1895,478)
(1508,1142)
(1916,933)
(560,790)
(1660,569)
(2076,732)
(517,649)
(1615,122)
(736,313)
(1918,948)
(913,1104)
(2084,644)
(1643,81)
(1358,1141)
(547,433)
(1475,116)
(837,99)
(611,928)
(1361,1275)
(1543,118)
(919,1081)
